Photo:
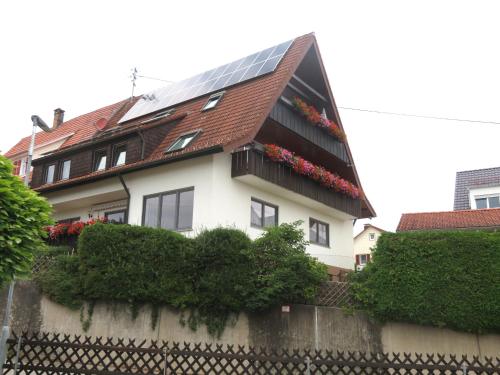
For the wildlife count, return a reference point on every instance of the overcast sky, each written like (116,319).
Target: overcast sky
(437,58)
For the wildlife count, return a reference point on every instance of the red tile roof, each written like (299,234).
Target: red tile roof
(466,219)
(82,128)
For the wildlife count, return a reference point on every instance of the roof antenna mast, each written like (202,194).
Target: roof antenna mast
(133,79)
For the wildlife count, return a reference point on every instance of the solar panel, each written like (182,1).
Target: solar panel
(241,70)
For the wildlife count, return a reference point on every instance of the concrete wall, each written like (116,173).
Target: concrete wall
(302,327)
(219,200)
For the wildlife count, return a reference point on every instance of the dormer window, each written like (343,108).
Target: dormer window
(213,100)
(182,141)
(492,201)
(119,155)
(65,168)
(100,160)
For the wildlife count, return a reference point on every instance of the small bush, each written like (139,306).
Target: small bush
(445,279)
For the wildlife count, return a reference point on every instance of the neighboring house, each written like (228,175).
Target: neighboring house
(451,220)
(477,189)
(191,156)
(364,242)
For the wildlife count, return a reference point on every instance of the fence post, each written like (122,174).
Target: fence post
(165,362)
(18,349)
(308,365)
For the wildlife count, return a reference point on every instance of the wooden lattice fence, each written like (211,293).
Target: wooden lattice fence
(335,294)
(64,354)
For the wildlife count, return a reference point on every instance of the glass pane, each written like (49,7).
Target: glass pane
(256,214)
(481,203)
(66,168)
(151,212)
(269,216)
(186,209)
(363,259)
(168,211)
(50,174)
(121,158)
(322,234)
(313,231)
(101,164)
(116,217)
(212,102)
(494,202)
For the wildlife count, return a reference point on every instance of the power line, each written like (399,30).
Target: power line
(419,116)
(155,79)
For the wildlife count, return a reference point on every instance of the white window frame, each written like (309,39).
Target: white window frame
(371,236)
(213,100)
(485,196)
(195,134)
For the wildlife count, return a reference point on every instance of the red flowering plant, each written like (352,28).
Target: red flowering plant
(62,230)
(315,172)
(314,117)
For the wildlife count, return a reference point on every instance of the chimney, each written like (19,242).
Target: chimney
(58,118)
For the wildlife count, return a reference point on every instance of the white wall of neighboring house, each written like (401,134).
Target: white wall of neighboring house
(366,240)
(219,200)
(482,192)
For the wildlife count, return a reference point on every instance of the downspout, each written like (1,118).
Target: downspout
(128,196)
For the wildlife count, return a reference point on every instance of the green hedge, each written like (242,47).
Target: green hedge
(218,273)
(446,279)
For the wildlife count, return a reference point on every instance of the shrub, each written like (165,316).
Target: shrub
(282,271)
(23,214)
(445,279)
(219,273)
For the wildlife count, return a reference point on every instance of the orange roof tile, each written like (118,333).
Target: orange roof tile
(465,219)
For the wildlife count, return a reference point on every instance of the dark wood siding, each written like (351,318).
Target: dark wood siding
(256,163)
(290,119)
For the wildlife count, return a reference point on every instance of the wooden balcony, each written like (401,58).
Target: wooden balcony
(254,162)
(287,117)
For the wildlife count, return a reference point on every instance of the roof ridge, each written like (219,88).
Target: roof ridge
(478,170)
(453,211)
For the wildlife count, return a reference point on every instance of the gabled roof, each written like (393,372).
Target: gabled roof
(78,129)
(470,179)
(367,227)
(235,121)
(449,220)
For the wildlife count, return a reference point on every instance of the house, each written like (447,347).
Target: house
(488,219)
(364,241)
(250,144)
(477,189)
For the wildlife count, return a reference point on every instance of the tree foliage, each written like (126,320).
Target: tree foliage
(219,273)
(446,279)
(23,214)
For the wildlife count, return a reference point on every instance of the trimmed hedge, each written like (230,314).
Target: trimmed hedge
(446,279)
(218,273)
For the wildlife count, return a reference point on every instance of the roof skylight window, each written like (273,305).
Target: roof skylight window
(213,100)
(182,141)
(160,115)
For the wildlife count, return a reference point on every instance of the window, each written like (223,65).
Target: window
(100,160)
(68,220)
(65,168)
(488,202)
(22,167)
(119,155)
(182,141)
(371,236)
(363,258)
(212,101)
(171,210)
(263,214)
(49,174)
(116,217)
(319,232)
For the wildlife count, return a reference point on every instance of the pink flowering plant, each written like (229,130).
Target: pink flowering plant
(315,172)
(61,230)
(314,117)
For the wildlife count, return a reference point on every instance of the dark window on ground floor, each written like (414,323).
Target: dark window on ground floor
(170,210)
(263,214)
(319,232)
(116,217)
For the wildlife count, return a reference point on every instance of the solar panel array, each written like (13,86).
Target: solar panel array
(249,67)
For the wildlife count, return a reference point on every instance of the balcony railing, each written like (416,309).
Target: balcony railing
(286,116)
(254,162)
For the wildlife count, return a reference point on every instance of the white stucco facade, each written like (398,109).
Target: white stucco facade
(219,200)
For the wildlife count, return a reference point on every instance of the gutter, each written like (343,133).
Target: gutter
(127,191)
